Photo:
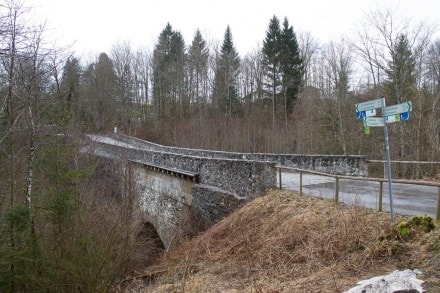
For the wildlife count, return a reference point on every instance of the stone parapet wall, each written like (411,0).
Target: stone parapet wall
(350,165)
(242,178)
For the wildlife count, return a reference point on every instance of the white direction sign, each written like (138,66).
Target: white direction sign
(374,121)
(369,105)
(397,109)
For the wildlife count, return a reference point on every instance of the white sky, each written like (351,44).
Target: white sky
(94,26)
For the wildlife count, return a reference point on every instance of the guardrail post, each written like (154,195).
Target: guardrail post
(279,177)
(380,196)
(336,189)
(438,204)
(300,183)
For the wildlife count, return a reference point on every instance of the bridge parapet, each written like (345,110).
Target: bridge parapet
(243,178)
(350,165)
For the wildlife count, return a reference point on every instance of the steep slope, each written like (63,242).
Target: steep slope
(286,243)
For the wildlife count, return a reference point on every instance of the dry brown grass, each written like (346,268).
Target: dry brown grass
(284,243)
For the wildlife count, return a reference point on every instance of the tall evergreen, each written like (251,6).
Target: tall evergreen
(225,92)
(100,90)
(291,66)
(168,72)
(283,66)
(401,72)
(271,62)
(401,82)
(198,68)
(70,87)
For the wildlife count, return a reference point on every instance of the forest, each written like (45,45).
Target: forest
(292,95)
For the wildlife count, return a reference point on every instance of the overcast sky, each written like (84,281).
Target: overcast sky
(94,26)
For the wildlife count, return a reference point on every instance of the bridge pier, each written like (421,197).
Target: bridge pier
(163,200)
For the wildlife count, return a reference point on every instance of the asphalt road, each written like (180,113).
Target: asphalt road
(408,199)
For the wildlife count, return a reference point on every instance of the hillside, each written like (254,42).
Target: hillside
(286,243)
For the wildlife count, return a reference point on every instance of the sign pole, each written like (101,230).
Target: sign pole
(387,150)
(395,113)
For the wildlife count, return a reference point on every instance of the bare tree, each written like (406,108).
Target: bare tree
(123,59)
(142,69)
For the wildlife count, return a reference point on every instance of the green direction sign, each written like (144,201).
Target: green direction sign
(369,105)
(397,109)
(374,121)
(367,129)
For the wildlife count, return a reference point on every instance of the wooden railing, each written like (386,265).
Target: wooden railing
(338,177)
(418,163)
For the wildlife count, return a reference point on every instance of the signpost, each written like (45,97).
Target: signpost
(369,105)
(395,113)
(397,109)
(374,121)
(364,114)
(398,117)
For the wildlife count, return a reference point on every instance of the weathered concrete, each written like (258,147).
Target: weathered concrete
(162,200)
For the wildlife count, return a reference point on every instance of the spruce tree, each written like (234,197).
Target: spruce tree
(291,67)
(283,66)
(198,68)
(271,62)
(225,93)
(168,72)
(401,81)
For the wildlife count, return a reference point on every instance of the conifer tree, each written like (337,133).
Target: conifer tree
(291,67)
(271,62)
(168,72)
(401,83)
(401,80)
(100,90)
(225,92)
(198,69)
(283,66)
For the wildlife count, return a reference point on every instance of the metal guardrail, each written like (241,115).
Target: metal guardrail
(372,179)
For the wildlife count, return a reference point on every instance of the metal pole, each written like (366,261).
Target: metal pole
(387,149)
(380,196)
(279,176)
(336,189)
(438,204)
(300,183)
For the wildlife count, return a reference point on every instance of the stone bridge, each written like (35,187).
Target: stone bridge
(181,191)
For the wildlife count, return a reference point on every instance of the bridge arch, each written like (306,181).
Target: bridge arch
(148,236)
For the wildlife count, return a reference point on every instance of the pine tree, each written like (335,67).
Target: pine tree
(401,81)
(225,93)
(271,62)
(100,90)
(283,66)
(198,69)
(168,72)
(291,67)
